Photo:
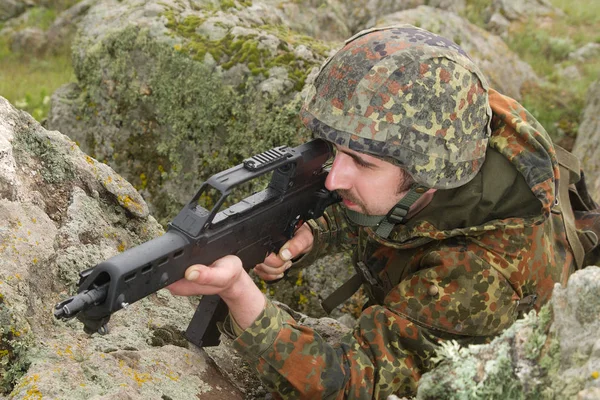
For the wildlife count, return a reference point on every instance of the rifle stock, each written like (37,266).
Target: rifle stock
(250,229)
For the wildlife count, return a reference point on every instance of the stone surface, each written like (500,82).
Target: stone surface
(170,93)
(11,8)
(29,40)
(61,212)
(587,145)
(523,9)
(586,52)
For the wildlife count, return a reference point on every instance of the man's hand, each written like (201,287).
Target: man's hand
(276,264)
(225,277)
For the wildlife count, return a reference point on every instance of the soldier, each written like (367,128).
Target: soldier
(449,202)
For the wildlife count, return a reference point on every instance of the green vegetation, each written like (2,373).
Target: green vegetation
(28,80)
(545,43)
(175,137)
(14,342)
(230,51)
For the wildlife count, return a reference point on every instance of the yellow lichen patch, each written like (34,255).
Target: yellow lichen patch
(121,247)
(302,299)
(139,377)
(29,382)
(174,376)
(89,160)
(130,204)
(595,375)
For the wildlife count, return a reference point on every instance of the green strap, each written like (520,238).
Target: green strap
(569,173)
(398,213)
(341,294)
(364,219)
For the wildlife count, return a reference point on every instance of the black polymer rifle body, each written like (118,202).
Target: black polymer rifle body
(250,229)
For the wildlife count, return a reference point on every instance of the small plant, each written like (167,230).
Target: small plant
(14,343)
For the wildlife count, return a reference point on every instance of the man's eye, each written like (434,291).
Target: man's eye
(361,163)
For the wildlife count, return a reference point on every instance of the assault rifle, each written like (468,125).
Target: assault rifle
(250,229)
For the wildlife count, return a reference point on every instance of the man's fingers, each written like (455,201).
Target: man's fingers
(273,260)
(200,279)
(269,273)
(301,243)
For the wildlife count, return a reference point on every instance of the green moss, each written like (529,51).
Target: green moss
(230,51)
(55,167)
(191,118)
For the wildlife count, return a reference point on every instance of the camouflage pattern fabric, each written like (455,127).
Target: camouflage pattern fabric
(406,95)
(469,268)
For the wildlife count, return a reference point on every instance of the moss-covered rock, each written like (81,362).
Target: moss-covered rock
(170,98)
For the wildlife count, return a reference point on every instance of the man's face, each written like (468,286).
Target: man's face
(367,184)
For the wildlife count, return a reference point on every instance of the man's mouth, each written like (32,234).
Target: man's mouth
(348,203)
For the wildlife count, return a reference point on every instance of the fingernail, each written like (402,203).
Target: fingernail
(287,265)
(285,254)
(192,276)
(279,276)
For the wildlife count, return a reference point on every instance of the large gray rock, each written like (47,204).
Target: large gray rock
(11,8)
(503,68)
(170,93)
(587,145)
(553,356)
(61,212)
(523,9)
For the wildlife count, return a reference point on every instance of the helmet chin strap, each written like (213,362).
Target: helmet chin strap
(397,215)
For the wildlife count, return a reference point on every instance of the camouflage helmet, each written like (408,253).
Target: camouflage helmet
(407,96)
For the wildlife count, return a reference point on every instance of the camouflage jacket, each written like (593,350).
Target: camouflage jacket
(457,270)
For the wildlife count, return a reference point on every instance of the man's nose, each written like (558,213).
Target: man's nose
(338,177)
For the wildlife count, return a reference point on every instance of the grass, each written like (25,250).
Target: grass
(545,45)
(27,81)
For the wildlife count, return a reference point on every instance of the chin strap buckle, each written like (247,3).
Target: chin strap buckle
(398,213)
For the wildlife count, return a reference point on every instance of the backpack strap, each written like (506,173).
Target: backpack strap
(570,173)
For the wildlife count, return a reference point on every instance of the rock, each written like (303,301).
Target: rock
(503,68)
(29,40)
(11,8)
(522,9)
(553,355)
(570,73)
(587,145)
(168,103)
(498,25)
(585,53)
(61,212)
(456,6)
(65,25)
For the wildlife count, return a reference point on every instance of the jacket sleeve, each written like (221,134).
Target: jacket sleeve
(392,344)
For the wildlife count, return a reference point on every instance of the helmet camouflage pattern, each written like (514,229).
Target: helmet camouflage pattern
(408,96)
